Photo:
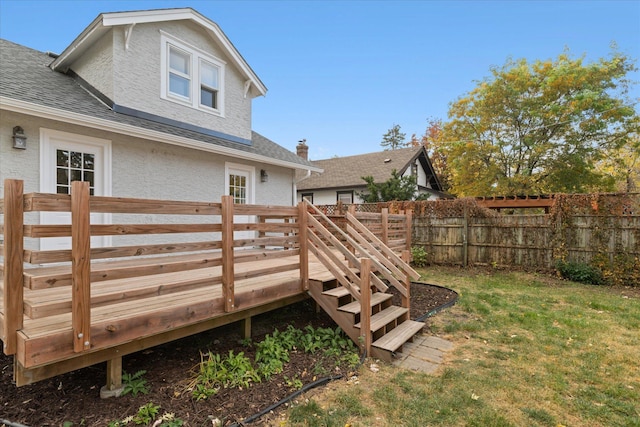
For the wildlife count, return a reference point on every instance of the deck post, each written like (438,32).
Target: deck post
(365,304)
(228,268)
(245,328)
(80,266)
(384,219)
(406,300)
(13,263)
(304,250)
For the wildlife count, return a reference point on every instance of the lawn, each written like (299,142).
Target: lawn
(530,350)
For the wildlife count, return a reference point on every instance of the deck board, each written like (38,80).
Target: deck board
(131,308)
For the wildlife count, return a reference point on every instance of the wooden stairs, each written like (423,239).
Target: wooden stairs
(343,253)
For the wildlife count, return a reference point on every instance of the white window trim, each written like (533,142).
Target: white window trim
(47,164)
(196,55)
(228,166)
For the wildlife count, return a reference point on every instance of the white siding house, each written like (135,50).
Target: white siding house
(150,104)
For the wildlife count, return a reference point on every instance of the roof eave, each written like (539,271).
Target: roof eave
(17,106)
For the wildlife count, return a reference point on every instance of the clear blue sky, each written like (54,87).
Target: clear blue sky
(340,74)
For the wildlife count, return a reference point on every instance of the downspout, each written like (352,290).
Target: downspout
(295,186)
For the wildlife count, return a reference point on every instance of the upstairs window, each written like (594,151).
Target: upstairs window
(179,73)
(209,77)
(192,77)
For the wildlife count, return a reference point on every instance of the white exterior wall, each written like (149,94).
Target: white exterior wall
(328,197)
(140,169)
(96,65)
(138,73)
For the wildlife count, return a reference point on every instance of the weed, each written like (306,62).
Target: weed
(294,382)
(134,383)
(146,414)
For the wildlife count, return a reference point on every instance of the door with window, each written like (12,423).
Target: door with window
(65,158)
(240,185)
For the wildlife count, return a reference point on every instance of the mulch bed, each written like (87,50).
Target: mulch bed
(75,397)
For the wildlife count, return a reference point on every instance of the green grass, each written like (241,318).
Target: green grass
(529,350)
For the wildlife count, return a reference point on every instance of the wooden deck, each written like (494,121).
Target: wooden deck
(133,313)
(66,309)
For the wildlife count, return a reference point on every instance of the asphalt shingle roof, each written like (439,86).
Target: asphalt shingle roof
(25,76)
(348,171)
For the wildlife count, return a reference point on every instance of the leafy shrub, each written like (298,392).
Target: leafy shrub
(580,272)
(134,383)
(272,353)
(418,256)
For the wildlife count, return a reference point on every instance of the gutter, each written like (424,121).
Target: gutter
(17,106)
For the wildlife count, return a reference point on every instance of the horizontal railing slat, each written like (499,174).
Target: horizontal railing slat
(57,230)
(62,203)
(43,257)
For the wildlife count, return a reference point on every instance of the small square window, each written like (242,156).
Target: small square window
(345,197)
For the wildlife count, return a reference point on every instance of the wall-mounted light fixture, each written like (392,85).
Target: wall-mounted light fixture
(264,176)
(19,138)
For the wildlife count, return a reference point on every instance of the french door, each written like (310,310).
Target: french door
(64,158)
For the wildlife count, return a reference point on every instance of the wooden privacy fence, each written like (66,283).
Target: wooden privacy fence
(533,241)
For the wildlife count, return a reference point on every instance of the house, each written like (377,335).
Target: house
(342,177)
(147,104)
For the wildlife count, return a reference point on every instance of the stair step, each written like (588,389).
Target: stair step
(384,317)
(376,298)
(338,292)
(395,338)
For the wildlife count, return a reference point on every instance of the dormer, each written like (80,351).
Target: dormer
(172,65)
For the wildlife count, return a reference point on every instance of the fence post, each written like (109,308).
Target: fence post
(465,237)
(228,268)
(365,304)
(409,232)
(13,263)
(303,242)
(80,266)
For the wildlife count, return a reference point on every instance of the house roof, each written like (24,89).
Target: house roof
(105,21)
(29,86)
(347,172)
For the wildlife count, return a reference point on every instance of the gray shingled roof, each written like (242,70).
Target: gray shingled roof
(25,76)
(342,172)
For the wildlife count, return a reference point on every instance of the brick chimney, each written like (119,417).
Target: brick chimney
(302,149)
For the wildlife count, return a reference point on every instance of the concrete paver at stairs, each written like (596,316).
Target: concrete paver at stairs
(423,354)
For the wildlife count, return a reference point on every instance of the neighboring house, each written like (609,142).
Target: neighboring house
(342,176)
(148,104)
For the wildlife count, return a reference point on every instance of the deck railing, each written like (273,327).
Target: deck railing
(156,239)
(271,227)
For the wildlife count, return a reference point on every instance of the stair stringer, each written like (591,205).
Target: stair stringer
(329,304)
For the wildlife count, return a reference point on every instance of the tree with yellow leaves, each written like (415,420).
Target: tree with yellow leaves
(542,127)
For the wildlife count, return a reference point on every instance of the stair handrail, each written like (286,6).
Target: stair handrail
(351,257)
(379,266)
(393,261)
